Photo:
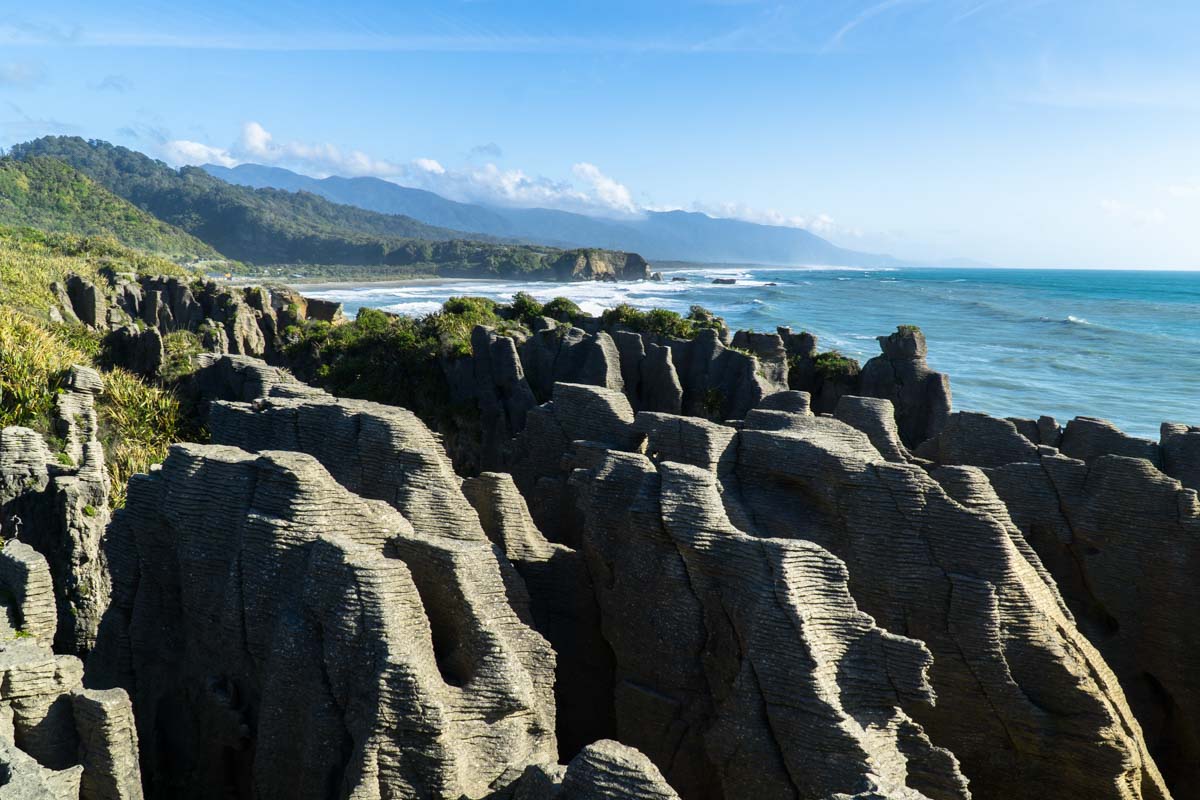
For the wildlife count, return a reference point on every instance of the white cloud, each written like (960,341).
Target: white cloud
(607,190)
(257,144)
(820,224)
(589,192)
(429,165)
(181,151)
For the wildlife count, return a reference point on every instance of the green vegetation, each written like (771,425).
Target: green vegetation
(400,360)
(49,195)
(908,330)
(138,421)
(180,347)
(562,309)
(660,321)
(833,366)
(526,308)
(390,359)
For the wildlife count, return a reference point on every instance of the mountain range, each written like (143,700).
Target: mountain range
(88,187)
(663,235)
(262,215)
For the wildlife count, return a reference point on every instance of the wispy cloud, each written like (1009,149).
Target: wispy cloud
(21,75)
(21,126)
(489,150)
(863,17)
(112,83)
(822,224)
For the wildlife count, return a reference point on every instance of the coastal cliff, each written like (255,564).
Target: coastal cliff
(629,556)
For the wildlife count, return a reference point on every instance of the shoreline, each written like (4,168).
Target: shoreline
(385,283)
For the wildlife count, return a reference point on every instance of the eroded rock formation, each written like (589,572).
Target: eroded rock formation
(296,640)
(58,740)
(58,503)
(1023,699)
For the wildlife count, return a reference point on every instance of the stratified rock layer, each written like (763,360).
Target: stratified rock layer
(289,638)
(1023,699)
(1121,539)
(57,739)
(58,504)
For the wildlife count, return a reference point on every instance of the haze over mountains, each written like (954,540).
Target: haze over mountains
(662,235)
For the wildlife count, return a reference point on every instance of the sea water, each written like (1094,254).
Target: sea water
(1121,345)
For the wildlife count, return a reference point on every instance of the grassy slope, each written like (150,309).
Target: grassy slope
(49,195)
(138,421)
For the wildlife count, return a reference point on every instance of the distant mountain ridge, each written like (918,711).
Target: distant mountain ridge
(668,235)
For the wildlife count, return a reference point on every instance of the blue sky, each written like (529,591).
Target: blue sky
(1019,132)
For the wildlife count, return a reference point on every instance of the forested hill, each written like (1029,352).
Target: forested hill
(51,196)
(257,226)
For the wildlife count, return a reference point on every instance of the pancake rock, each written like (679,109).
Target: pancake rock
(58,504)
(287,638)
(605,770)
(736,680)
(900,374)
(563,606)
(1122,539)
(57,739)
(386,453)
(1023,699)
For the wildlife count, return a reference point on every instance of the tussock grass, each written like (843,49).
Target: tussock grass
(138,420)
(30,260)
(33,364)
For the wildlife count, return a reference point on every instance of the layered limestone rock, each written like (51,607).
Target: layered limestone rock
(978,440)
(57,739)
(1181,453)
(577,412)
(1119,537)
(1023,699)
(58,504)
(605,770)
(563,606)
(920,396)
(509,375)
(733,683)
(900,374)
(137,311)
(1087,437)
(295,640)
(387,453)
(1122,540)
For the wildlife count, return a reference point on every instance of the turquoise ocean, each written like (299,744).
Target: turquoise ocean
(1121,345)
